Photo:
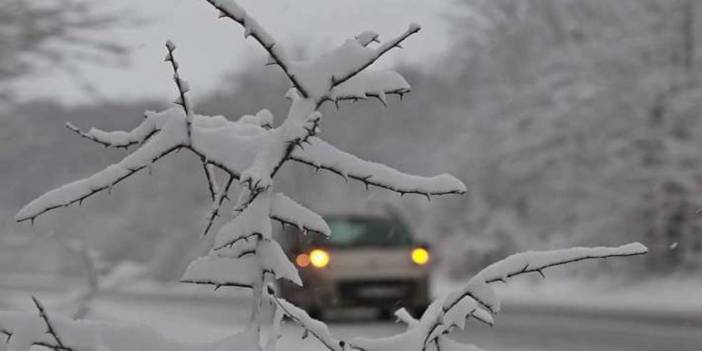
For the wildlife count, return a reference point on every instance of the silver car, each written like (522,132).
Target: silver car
(369,261)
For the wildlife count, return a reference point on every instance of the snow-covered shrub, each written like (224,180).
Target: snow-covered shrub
(244,254)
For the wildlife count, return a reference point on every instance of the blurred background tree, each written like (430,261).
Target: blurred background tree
(54,34)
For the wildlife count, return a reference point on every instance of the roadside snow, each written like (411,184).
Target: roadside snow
(673,295)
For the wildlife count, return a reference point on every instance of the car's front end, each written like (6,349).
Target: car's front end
(382,267)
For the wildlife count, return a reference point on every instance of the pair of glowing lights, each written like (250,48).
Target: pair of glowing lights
(320,258)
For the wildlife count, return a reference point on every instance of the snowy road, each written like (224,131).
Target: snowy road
(519,328)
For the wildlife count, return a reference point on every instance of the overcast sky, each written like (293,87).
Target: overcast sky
(209,48)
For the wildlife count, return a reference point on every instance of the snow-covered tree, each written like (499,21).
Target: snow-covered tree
(250,151)
(585,113)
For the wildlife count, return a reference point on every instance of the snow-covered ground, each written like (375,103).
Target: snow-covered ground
(550,315)
(676,295)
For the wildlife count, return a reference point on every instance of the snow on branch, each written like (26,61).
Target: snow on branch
(317,329)
(79,190)
(27,329)
(479,288)
(49,327)
(230,9)
(152,124)
(213,140)
(252,221)
(285,210)
(376,84)
(221,269)
(183,88)
(321,155)
(350,69)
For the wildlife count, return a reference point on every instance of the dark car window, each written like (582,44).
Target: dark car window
(354,232)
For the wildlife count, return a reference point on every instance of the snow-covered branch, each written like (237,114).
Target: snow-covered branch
(230,9)
(479,287)
(375,84)
(26,329)
(49,326)
(183,89)
(321,155)
(286,211)
(313,327)
(231,268)
(353,68)
(80,190)
(120,139)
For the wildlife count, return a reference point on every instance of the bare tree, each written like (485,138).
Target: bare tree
(53,34)
(251,151)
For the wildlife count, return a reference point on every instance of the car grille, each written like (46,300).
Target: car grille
(373,291)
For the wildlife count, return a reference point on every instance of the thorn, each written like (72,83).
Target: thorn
(222,14)
(305,334)
(428,197)
(542,273)
(170,46)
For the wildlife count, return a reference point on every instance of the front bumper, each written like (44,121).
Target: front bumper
(383,293)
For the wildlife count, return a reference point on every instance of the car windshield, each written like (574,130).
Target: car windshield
(353,232)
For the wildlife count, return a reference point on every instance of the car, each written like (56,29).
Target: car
(368,261)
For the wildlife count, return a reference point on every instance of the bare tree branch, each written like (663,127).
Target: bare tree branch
(183,88)
(49,326)
(252,28)
(212,186)
(217,285)
(39,343)
(217,205)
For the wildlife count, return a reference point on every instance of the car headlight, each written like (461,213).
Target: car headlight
(420,256)
(319,258)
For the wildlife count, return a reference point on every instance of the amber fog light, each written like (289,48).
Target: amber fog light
(420,256)
(319,258)
(302,260)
